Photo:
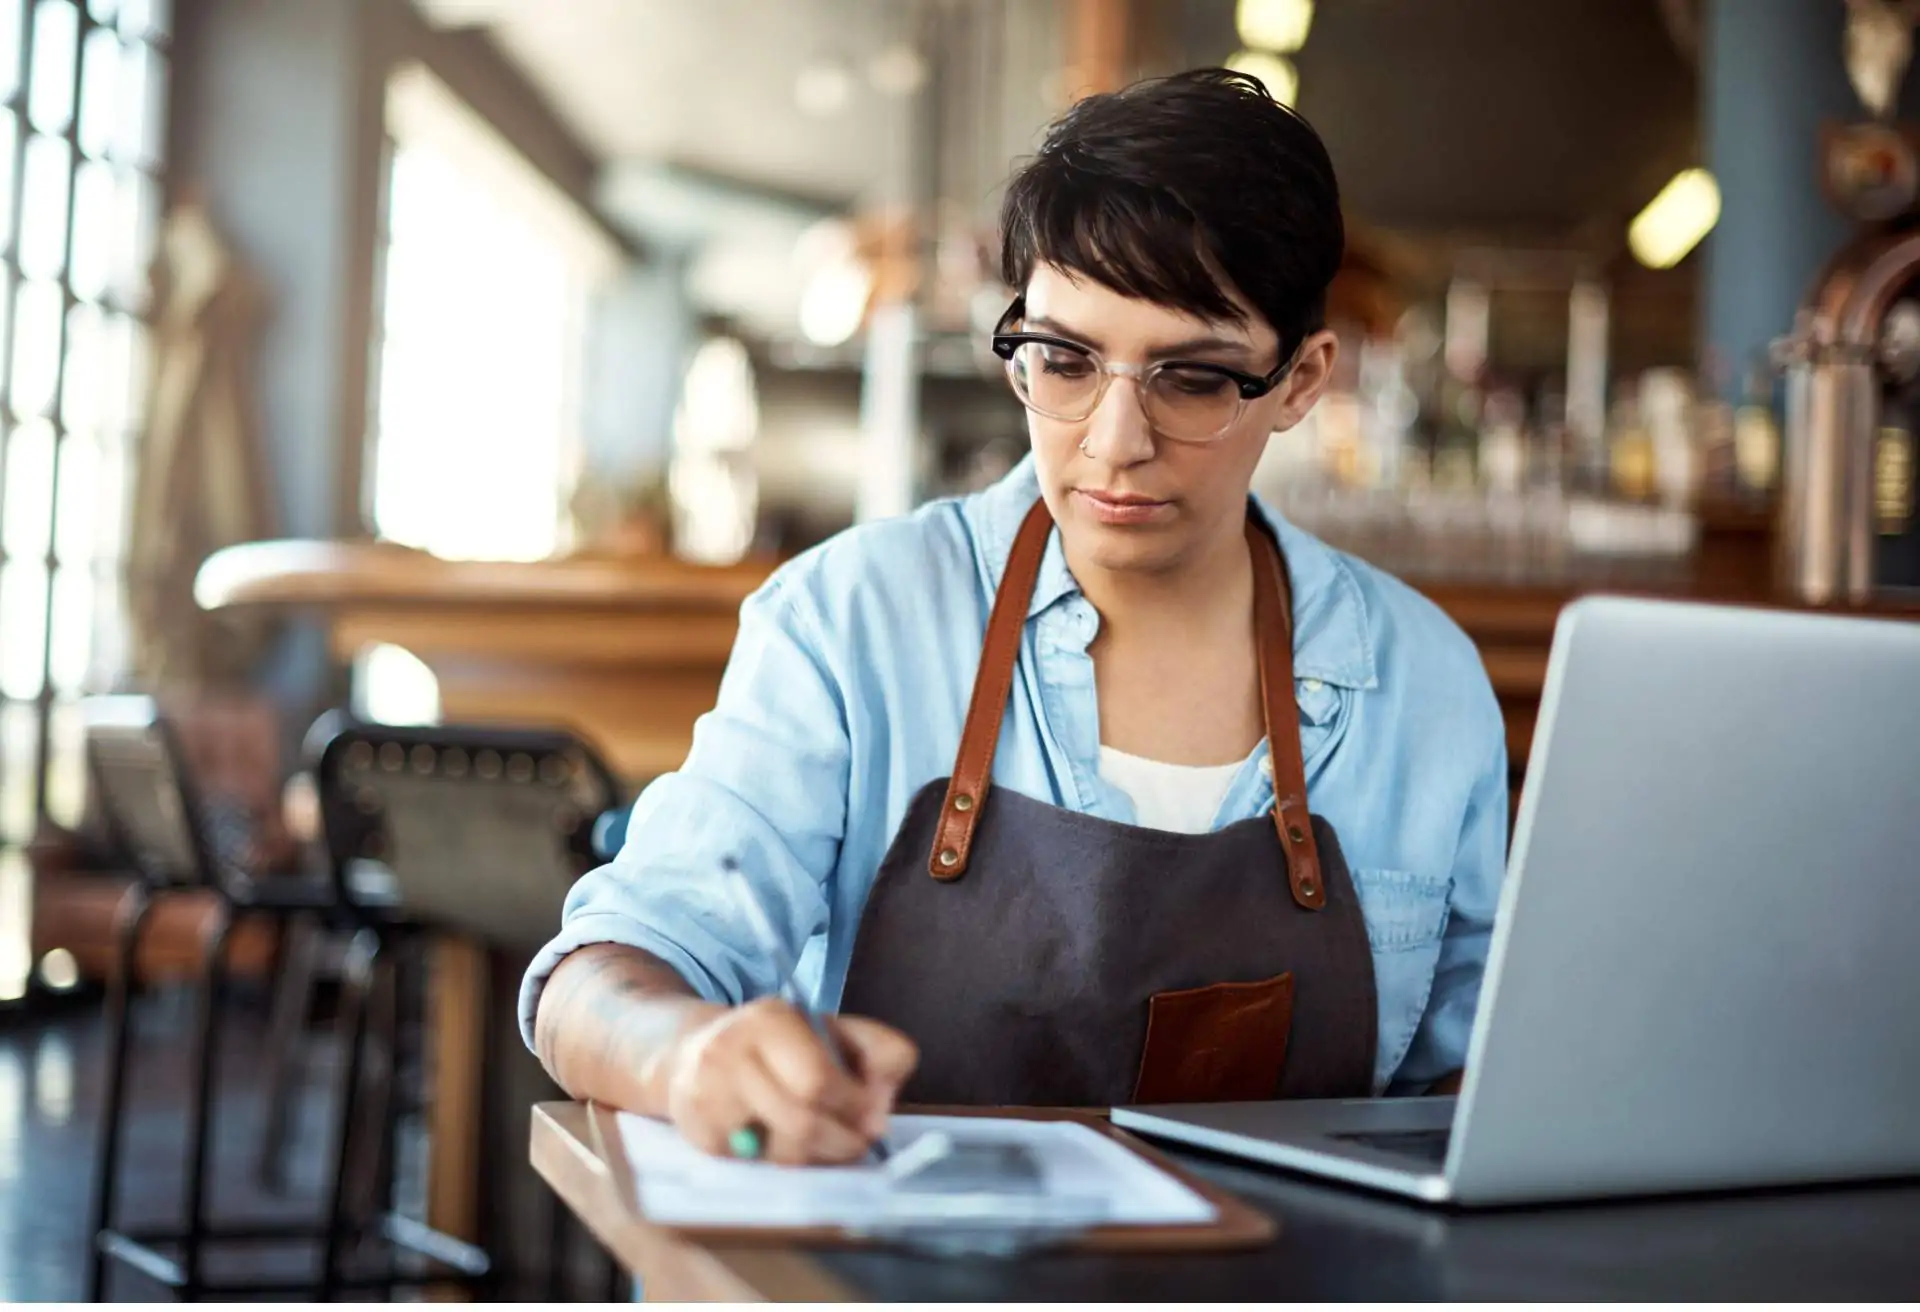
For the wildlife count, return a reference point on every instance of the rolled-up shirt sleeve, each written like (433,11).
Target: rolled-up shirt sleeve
(765,783)
(1480,862)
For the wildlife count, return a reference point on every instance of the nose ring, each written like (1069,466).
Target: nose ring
(1083,448)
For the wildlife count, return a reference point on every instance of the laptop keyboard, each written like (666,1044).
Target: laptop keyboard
(1428,1146)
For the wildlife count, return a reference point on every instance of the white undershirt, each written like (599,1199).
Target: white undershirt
(1182,799)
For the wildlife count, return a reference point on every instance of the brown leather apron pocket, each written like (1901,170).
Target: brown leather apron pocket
(1221,1043)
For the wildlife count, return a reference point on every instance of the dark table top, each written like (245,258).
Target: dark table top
(1856,1242)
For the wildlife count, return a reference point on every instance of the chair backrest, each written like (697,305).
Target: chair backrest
(483,829)
(144,794)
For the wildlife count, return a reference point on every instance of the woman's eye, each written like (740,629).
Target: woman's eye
(1196,382)
(1065,364)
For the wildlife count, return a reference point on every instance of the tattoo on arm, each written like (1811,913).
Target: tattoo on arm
(606,1010)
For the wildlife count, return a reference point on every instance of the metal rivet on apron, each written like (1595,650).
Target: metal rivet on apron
(1306,888)
(1296,833)
(949,857)
(963,803)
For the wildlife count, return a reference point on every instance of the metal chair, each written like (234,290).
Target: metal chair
(148,802)
(479,832)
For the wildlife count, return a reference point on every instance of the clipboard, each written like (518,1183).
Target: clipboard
(577,1148)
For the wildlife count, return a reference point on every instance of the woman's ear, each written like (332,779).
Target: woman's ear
(1311,372)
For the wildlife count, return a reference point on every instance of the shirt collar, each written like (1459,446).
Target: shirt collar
(1331,640)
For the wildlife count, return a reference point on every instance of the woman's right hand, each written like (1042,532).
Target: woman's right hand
(761,1064)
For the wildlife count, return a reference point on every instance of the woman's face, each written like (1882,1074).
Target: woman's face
(1129,498)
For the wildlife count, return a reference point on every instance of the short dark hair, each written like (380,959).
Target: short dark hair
(1168,188)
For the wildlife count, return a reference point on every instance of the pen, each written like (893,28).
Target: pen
(784,971)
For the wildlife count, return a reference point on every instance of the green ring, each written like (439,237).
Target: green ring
(745,1143)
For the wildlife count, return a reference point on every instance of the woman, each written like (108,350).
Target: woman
(1021,780)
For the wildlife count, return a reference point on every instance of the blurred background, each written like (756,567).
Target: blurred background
(459,364)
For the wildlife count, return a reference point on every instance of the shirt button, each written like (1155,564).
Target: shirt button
(1266,766)
(1311,685)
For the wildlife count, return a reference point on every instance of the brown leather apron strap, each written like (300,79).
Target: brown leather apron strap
(1273,625)
(973,767)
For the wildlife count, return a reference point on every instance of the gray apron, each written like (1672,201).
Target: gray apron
(1039,956)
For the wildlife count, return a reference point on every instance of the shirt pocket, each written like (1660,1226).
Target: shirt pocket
(1406,915)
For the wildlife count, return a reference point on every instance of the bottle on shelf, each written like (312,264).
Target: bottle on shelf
(1713,424)
(1502,453)
(1756,435)
(1896,527)
(1548,456)
(1629,447)
(1667,410)
(1458,441)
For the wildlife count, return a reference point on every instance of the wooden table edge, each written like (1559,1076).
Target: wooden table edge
(577,1149)
(575,1152)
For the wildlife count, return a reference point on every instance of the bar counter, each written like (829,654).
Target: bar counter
(629,651)
(625,651)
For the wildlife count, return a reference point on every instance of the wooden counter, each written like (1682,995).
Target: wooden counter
(626,652)
(629,652)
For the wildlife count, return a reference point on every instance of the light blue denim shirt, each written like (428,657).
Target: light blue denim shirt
(846,692)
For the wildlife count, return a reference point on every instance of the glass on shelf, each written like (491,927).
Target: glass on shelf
(56,42)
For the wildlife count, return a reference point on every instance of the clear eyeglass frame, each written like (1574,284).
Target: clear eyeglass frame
(1247,386)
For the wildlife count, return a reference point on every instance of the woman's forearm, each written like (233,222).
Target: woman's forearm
(607,1022)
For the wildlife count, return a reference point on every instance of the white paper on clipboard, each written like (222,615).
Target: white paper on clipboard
(680,1185)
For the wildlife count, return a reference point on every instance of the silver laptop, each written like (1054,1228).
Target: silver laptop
(1705,968)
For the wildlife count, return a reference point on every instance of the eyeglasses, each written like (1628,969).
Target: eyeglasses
(1184,400)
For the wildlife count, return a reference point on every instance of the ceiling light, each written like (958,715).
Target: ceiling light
(897,71)
(1674,221)
(822,89)
(1276,25)
(59,970)
(1276,73)
(834,304)
(831,240)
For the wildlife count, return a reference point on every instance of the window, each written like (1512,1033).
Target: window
(487,269)
(82,86)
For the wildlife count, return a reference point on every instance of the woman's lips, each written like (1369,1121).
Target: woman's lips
(1122,507)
